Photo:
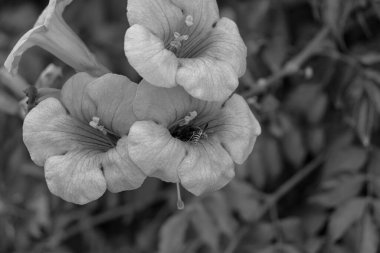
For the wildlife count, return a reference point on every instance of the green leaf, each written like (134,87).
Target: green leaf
(336,14)
(376,211)
(221,213)
(292,230)
(374,163)
(293,147)
(263,233)
(349,159)
(345,216)
(365,116)
(373,92)
(339,191)
(204,227)
(244,199)
(313,220)
(318,108)
(370,237)
(314,245)
(8,104)
(172,234)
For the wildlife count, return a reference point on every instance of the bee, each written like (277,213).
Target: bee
(198,134)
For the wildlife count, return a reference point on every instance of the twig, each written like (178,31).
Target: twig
(274,198)
(292,67)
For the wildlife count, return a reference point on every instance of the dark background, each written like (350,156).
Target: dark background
(311,185)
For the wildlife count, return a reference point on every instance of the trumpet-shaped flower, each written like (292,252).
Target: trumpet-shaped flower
(185,43)
(53,34)
(81,138)
(185,140)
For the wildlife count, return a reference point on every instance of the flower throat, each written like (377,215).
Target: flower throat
(187,132)
(176,44)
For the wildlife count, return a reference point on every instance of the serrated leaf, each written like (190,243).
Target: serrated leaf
(172,234)
(370,237)
(205,228)
(346,188)
(349,159)
(345,216)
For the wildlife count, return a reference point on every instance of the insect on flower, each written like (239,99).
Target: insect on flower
(198,134)
(180,139)
(185,43)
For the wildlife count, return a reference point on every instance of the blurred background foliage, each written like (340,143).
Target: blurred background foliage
(312,183)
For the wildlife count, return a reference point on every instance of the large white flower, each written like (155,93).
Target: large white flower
(81,138)
(181,139)
(186,43)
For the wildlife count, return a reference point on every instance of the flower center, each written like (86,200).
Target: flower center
(111,137)
(176,44)
(186,131)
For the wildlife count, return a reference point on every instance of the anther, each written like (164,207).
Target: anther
(189,20)
(188,118)
(177,42)
(180,203)
(95,123)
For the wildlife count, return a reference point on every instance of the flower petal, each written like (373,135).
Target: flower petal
(218,62)
(73,96)
(166,106)
(237,128)
(225,44)
(119,170)
(53,34)
(206,78)
(113,96)
(204,12)
(147,54)
(49,131)
(108,97)
(207,167)
(161,17)
(155,151)
(76,176)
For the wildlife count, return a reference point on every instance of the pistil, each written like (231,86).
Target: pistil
(180,203)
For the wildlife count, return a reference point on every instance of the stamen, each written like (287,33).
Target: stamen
(176,44)
(95,123)
(189,20)
(180,203)
(111,136)
(188,118)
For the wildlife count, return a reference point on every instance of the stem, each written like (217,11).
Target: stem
(293,66)
(272,200)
